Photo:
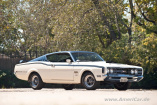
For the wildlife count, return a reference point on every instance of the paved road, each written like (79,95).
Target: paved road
(77,97)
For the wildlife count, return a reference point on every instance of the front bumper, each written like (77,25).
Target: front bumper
(119,77)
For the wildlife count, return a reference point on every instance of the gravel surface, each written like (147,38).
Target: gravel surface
(28,96)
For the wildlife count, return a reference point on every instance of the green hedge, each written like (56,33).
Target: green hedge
(9,80)
(149,81)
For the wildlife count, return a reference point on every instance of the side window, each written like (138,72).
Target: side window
(52,58)
(60,57)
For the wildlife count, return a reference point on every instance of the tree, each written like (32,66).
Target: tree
(145,14)
(8,32)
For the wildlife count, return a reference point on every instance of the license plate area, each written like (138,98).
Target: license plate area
(122,79)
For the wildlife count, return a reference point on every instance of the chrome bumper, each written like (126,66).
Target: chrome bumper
(118,77)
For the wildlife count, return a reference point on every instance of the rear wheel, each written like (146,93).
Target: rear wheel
(36,82)
(89,81)
(122,85)
(68,86)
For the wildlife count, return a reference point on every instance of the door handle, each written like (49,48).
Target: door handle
(52,65)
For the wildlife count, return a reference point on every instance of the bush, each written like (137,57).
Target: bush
(9,80)
(149,81)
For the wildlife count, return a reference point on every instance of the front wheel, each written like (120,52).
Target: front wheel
(68,86)
(36,82)
(89,81)
(122,85)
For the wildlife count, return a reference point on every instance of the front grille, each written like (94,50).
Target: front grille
(120,77)
(125,71)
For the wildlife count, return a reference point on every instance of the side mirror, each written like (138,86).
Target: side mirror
(68,60)
(21,61)
(77,60)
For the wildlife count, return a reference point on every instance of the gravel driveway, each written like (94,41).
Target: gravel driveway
(28,96)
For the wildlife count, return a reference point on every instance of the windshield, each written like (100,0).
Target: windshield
(79,56)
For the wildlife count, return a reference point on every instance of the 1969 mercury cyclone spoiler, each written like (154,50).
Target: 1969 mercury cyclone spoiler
(77,67)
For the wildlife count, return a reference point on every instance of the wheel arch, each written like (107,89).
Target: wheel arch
(33,72)
(85,71)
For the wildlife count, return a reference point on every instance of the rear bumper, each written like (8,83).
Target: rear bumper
(118,77)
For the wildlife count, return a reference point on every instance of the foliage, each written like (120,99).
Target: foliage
(145,14)
(149,81)
(8,80)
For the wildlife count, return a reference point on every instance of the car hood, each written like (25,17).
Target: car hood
(104,64)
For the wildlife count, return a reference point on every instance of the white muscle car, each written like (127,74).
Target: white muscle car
(77,67)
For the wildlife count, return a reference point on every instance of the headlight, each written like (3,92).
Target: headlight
(136,71)
(132,71)
(111,71)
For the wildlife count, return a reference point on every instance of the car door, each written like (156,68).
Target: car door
(60,69)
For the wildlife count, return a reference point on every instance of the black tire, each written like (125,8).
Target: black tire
(89,82)
(122,85)
(68,86)
(36,82)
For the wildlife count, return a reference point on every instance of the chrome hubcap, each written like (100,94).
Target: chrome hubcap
(89,81)
(35,81)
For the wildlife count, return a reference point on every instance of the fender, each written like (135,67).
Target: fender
(92,70)
(30,71)
(78,79)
